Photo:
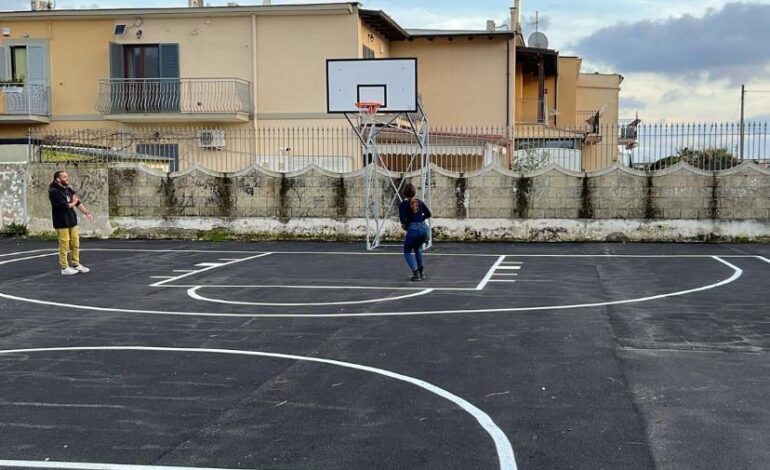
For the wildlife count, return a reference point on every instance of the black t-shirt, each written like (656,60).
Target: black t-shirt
(63,215)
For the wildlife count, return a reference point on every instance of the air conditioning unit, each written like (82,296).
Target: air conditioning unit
(41,5)
(211,139)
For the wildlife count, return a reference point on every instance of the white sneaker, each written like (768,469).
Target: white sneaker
(69,271)
(81,269)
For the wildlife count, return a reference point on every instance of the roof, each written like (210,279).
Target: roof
(319,8)
(417,33)
(379,21)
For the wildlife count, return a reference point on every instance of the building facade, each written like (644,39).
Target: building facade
(243,69)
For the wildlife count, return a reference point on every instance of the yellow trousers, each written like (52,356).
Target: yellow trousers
(69,240)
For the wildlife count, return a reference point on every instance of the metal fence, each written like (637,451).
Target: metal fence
(185,95)
(524,148)
(25,99)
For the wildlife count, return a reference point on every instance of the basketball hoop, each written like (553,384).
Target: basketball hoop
(369,108)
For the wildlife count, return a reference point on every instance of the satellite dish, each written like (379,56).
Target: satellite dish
(538,40)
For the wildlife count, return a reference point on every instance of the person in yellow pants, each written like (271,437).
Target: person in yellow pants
(64,200)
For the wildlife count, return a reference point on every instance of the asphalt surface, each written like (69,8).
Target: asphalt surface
(582,356)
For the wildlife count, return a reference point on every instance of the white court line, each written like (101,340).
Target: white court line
(208,268)
(8,261)
(509,268)
(92,466)
(183,271)
(161,277)
(489,274)
(208,265)
(28,252)
(502,280)
(506,274)
(764,259)
(505,455)
(317,287)
(369,253)
(193,293)
(737,273)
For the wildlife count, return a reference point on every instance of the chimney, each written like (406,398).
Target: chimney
(195,3)
(40,5)
(491,25)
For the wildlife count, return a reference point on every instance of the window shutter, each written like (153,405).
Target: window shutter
(169,61)
(5,63)
(116,61)
(37,64)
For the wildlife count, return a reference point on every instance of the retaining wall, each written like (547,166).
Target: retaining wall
(554,204)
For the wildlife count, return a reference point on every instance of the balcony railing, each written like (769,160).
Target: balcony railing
(184,95)
(590,121)
(534,111)
(25,99)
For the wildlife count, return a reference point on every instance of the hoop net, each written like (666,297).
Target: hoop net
(368,108)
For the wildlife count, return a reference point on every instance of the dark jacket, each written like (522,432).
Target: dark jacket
(63,215)
(408,216)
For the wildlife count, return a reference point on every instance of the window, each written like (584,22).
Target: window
(18,63)
(368,53)
(141,61)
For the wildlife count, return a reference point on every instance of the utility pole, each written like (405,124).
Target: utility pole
(743,119)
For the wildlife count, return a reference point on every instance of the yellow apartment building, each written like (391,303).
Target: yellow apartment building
(246,69)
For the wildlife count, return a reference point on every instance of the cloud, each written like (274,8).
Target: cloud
(723,44)
(631,102)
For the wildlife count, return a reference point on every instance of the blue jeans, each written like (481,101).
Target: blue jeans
(416,236)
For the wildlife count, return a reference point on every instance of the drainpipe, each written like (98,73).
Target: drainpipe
(254,69)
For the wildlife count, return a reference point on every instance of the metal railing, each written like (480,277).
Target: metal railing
(710,146)
(534,111)
(184,95)
(25,99)
(590,121)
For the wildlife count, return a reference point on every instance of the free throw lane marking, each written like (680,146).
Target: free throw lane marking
(193,293)
(503,446)
(209,267)
(737,273)
(490,273)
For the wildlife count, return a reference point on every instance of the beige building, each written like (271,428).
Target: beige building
(244,71)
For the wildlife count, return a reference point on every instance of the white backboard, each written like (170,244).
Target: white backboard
(390,82)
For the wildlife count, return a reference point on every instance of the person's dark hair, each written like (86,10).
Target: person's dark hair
(409,191)
(55,176)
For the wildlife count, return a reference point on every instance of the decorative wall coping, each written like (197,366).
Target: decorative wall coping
(553,167)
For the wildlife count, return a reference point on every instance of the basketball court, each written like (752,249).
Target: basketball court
(317,355)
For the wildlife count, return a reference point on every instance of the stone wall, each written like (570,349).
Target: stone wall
(678,203)
(13,206)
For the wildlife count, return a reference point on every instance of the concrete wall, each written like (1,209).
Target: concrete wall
(13,207)
(680,203)
(90,181)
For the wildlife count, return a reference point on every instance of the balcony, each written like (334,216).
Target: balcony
(534,111)
(25,103)
(176,100)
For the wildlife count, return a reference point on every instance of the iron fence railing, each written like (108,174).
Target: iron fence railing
(184,95)
(462,149)
(25,99)
(534,111)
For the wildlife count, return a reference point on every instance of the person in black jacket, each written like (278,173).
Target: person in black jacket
(413,213)
(64,200)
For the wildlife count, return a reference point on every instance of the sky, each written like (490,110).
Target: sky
(683,60)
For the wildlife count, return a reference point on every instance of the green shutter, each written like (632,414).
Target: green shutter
(5,63)
(37,64)
(116,61)
(169,61)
